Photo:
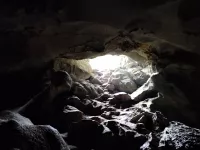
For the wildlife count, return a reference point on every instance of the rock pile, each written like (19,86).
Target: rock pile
(91,116)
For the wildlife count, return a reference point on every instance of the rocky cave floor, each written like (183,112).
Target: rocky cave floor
(119,109)
(114,118)
(123,109)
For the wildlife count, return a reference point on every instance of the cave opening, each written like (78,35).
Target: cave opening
(110,73)
(119,73)
(99,75)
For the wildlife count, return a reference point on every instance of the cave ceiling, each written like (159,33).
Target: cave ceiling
(34,32)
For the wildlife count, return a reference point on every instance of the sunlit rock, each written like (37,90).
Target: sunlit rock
(140,77)
(79,69)
(170,98)
(110,87)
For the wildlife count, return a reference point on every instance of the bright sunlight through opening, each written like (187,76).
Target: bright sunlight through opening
(109,62)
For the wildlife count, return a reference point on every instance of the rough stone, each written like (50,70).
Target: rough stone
(44,137)
(98,88)
(94,80)
(71,114)
(179,136)
(122,96)
(110,87)
(92,92)
(79,90)
(123,136)
(122,100)
(79,69)
(166,96)
(84,134)
(140,77)
(105,96)
(122,81)
(159,121)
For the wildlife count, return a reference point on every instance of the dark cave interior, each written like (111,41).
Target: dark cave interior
(99,74)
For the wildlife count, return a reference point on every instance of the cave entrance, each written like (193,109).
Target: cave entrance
(119,73)
(111,62)
(108,73)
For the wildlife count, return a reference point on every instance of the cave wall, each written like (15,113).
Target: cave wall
(35,32)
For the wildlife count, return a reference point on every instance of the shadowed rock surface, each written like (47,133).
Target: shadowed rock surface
(149,103)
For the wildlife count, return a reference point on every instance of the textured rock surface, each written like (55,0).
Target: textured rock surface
(162,33)
(17,132)
(122,81)
(179,136)
(79,69)
(170,98)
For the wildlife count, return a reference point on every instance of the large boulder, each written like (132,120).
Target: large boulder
(170,101)
(10,115)
(179,136)
(121,137)
(61,80)
(79,69)
(14,135)
(140,77)
(88,107)
(71,114)
(79,90)
(122,81)
(84,134)
(110,87)
(63,118)
(121,99)
(94,80)
(91,89)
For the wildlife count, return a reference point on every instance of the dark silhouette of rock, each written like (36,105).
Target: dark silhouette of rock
(121,100)
(27,137)
(123,137)
(84,134)
(18,132)
(79,90)
(41,106)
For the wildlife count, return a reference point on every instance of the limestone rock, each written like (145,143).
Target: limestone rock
(98,119)
(79,90)
(123,137)
(80,69)
(140,77)
(71,114)
(143,92)
(84,134)
(77,103)
(94,80)
(104,97)
(122,96)
(122,81)
(44,137)
(121,99)
(10,115)
(179,136)
(92,91)
(159,121)
(127,85)
(110,87)
(98,88)
(171,98)
(88,107)
(61,80)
